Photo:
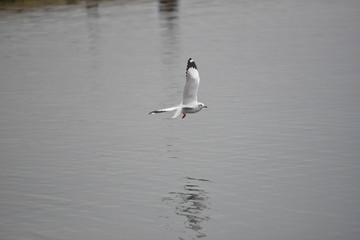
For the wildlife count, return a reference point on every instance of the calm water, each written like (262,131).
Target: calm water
(275,156)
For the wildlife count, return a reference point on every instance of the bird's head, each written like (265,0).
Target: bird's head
(201,105)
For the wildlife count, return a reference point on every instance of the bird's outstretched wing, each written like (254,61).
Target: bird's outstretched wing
(178,109)
(192,83)
(165,109)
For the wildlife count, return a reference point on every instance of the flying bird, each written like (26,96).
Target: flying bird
(189,103)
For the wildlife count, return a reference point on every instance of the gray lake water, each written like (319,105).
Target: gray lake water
(275,156)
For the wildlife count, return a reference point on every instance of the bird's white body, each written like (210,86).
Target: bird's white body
(189,103)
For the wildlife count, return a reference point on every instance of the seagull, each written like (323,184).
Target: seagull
(189,103)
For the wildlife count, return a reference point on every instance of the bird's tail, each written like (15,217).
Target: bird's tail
(177,113)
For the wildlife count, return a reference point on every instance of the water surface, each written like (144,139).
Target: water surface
(275,156)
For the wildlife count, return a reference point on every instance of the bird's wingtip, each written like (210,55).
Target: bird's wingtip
(191,64)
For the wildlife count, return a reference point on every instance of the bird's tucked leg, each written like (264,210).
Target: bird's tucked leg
(184,115)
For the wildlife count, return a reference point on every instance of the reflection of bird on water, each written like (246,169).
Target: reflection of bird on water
(191,203)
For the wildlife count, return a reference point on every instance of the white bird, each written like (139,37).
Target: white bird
(189,103)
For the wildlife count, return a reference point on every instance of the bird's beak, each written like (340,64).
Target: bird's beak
(205,107)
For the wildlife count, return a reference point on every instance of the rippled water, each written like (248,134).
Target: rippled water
(275,156)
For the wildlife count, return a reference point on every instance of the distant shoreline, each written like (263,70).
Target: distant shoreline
(22,5)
